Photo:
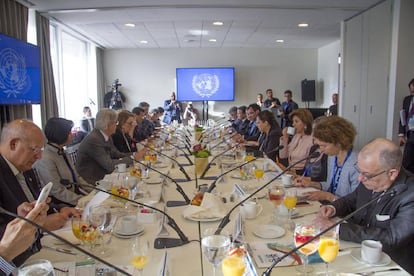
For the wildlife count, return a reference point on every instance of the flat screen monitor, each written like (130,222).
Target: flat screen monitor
(205,84)
(19,72)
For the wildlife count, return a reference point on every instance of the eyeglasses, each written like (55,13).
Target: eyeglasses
(365,176)
(36,149)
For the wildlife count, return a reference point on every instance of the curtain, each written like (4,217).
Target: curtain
(101,87)
(48,106)
(13,22)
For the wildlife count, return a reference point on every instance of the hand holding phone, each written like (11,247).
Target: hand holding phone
(44,193)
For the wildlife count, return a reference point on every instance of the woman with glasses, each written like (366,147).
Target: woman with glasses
(335,137)
(122,137)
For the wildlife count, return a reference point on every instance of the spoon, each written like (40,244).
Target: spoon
(377,271)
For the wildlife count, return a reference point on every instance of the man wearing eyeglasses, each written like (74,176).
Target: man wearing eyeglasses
(21,145)
(391,218)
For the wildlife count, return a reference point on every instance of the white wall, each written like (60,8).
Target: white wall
(327,74)
(149,74)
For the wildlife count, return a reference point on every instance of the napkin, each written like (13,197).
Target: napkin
(238,228)
(211,207)
(164,269)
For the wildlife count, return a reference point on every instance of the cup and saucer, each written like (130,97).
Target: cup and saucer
(251,210)
(371,254)
(128,227)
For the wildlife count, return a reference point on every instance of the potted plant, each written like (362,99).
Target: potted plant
(201,155)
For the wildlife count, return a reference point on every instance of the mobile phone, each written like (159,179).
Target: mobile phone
(44,193)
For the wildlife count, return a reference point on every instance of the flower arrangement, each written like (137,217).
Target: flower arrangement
(200,151)
(198,128)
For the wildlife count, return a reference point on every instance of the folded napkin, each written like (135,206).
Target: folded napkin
(164,269)
(211,207)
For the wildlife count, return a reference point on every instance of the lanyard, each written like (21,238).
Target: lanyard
(336,173)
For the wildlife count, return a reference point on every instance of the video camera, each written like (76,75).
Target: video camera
(116,84)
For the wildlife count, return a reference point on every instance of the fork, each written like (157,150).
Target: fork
(367,273)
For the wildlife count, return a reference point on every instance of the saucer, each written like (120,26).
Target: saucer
(127,236)
(356,254)
(268,231)
(156,180)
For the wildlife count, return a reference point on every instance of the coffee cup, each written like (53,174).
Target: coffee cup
(251,209)
(371,251)
(128,224)
(121,167)
(291,131)
(287,180)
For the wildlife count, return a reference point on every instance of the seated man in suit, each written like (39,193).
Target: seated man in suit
(21,144)
(97,154)
(391,218)
(88,122)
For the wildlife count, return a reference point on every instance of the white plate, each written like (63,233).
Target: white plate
(140,228)
(161,165)
(156,180)
(190,209)
(268,231)
(356,254)
(128,236)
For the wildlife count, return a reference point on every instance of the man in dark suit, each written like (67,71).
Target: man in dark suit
(87,123)
(21,144)
(391,218)
(406,129)
(287,107)
(173,110)
(97,154)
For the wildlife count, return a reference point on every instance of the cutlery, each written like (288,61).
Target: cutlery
(61,250)
(348,248)
(65,270)
(367,273)
(304,215)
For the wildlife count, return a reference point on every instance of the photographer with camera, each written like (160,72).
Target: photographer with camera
(173,110)
(114,99)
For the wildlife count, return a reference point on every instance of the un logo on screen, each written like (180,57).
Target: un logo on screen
(205,84)
(13,73)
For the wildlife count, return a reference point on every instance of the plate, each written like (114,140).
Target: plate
(356,254)
(128,236)
(161,165)
(269,231)
(191,208)
(140,228)
(157,180)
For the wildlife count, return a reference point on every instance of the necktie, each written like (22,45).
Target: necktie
(72,171)
(25,188)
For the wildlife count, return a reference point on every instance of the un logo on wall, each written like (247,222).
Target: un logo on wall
(205,84)
(13,73)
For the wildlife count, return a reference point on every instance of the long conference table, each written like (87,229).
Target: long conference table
(188,259)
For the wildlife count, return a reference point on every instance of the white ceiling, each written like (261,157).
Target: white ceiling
(178,24)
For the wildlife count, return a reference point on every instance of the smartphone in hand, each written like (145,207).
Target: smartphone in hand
(44,193)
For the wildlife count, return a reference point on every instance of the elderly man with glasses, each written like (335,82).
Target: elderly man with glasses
(97,154)
(391,218)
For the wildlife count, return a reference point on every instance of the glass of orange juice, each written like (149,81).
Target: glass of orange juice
(140,248)
(328,248)
(258,171)
(233,266)
(290,201)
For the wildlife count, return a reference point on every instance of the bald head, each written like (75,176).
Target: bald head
(387,153)
(21,143)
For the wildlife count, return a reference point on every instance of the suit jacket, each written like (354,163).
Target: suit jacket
(172,112)
(252,133)
(11,196)
(85,126)
(123,142)
(52,167)
(270,142)
(143,130)
(243,127)
(389,220)
(97,157)
(406,107)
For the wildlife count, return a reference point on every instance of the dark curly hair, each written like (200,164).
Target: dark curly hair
(335,130)
(305,116)
(57,130)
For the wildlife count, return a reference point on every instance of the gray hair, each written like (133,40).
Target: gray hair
(19,128)
(390,158)
(104,117)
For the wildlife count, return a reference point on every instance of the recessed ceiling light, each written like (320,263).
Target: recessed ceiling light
(198,32)
(303,25)
(143,41)
(280,40)
(130,25)
(212,40)
(218,23)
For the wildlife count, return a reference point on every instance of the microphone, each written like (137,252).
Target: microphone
(4,211)
(177,187)
(226,218)
(394,191)
(213,185)
(185,154)
(159,243)
(175,161)
(214,158)
(222,141)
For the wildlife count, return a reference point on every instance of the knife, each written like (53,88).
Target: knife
(61,250)
(301,216)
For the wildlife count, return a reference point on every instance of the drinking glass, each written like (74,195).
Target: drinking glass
(215,246)
(290,201)
(141,254)
(77,225)
(102,218)
(328,248)
(233,266)
(258,171)
(98,216)
(37,267)
(303,233)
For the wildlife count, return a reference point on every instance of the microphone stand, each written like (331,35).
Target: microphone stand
(159,243)
(175,161)
(226,218)
(222,141)
(213,185)
(177,187)
(185,154)
(2,210)
(214,158)
(392,192)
